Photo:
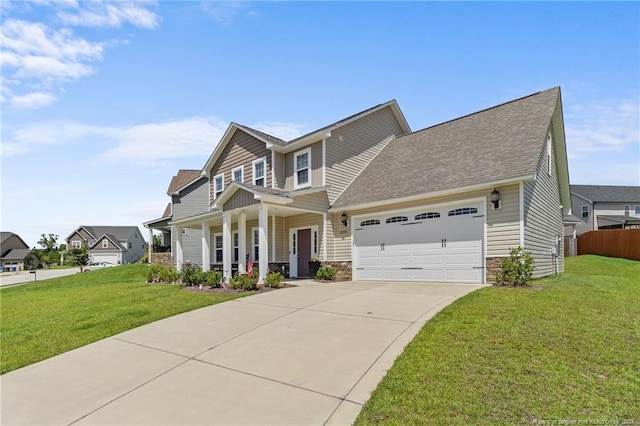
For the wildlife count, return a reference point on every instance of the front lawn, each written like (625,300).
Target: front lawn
(46,318)
(564,352)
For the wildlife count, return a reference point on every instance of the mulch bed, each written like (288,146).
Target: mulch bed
(206,289)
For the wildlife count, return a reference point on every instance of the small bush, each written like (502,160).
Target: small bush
(213,278)
(517,269)
(273,280)
(326,273)
(192,275)
(169,274)
(152,273)
(244,282)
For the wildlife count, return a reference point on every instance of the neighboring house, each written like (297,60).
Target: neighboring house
(605,207)
(380,202)
(111,244)
(14,252)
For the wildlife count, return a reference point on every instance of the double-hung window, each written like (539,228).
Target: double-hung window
(76,244)
(301,165)
(259,172)
(256,244)
(235,248)
(218,184)
(237,174)
(585,211)
(217,238)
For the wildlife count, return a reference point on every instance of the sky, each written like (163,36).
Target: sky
(102,102)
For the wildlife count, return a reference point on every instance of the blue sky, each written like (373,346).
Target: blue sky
(103,102)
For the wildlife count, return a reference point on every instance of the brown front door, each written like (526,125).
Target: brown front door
(304,252)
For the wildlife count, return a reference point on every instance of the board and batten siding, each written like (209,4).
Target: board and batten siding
(240,199)
(352,147)
(316,166)
(543,217)
(241,150)
(503,225)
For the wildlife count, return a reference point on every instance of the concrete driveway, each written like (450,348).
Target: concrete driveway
(308,355)
(24,277)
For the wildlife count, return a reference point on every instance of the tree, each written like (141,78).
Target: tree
(62,247)
(78,256)
(49,243)
(157,243)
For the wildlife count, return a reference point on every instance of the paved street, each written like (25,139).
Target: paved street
(41,274)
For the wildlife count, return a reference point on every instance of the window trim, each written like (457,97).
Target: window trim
(636,209)
(217,193)
(75,244)
(296,184)
(262,160)
(216,249)
(233,172)
(235,243)
(105,240)
(255,244)
(585,214)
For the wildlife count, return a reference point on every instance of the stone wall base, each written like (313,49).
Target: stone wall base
(343,269)
(493,267)
(162,259)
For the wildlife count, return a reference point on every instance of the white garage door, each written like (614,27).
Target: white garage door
(430,244)
(105,257)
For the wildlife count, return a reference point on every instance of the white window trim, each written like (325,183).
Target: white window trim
(264,168)
(215,189)
(215,249)
(104,240)
(549,142)
(76,244)
(254,243)
(582,212)
(296,185)
(233,172)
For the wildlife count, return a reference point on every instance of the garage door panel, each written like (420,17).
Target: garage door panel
(397,274)
(433,275)
(464,275)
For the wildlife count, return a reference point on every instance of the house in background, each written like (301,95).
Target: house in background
(14,253)
(112,244)
(605,207)
(379,202)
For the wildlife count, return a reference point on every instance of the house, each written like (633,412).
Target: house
(605,207)
(380,202)
(111,244)
(15,253)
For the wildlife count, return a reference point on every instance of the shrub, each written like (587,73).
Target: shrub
(326,273)
(273,279)
(152,273)
(244,282)
(516,269)
(192,275)
(213,278)
(169,274)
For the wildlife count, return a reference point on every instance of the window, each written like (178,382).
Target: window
(370,222)
(256,244)
(294,244)
(130,245)
(585,211)
(462,211)
(301,163)
(627,209)
(235,247)
(315,243)
(184,231)
(429,215)
(105,243)
(396,219)
(637,209)
(237,174)
(76,244)
(259,172)
(218,184)
(217,247)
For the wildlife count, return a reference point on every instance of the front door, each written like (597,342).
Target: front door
(304,252)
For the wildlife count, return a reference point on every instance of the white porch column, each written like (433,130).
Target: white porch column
(179,254)
(242,243)
(206,247)
(150,245)
(263,247)
(227,247)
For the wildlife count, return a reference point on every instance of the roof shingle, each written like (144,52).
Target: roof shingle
(608,193)
(183,178)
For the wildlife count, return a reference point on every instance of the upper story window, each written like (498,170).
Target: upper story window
(105,243)
(218,184)
(301,164)
(259,174)
(76,244)
(585,211)
(237,174)
(637,209)
(627,209)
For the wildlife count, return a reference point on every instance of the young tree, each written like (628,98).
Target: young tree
(49,242)
(157,243)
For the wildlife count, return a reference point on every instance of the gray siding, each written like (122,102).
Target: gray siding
(543,217)
(576,208)
(361,141)
(240,199)
(316,166)
(241,150)
(191,201)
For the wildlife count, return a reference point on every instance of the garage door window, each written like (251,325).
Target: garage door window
(370,222)
(429,215)
(463,210)
(396,219)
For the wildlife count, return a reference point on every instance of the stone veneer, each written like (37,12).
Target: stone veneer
(493,267)
(343,269)
(162,259)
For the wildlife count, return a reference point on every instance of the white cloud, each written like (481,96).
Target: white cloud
(223,11)
(33,100)
(112,14)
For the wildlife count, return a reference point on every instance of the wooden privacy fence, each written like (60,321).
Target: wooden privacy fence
(623,243)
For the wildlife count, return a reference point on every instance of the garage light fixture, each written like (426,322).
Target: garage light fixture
(344,219)
(495,198)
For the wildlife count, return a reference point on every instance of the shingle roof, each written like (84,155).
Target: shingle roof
(608,193)
(261,189)
(167,211)
(16,254)
(274,140)
(183,178)
(499,143)
(117,232)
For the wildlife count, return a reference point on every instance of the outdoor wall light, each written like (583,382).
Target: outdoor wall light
(495,198)
(344,219)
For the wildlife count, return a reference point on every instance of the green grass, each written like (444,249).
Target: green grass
(566,350)
(46,318)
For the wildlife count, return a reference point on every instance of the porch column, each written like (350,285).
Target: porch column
(206,247)
(150,245)
(263,248)
(242,243)
(177,231)
(226,245)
